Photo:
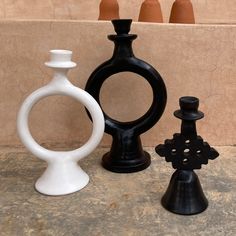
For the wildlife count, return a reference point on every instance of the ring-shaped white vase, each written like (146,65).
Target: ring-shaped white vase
(63,175)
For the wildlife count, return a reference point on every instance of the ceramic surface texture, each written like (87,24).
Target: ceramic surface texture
(182,12)
(63,175)
(187,151)
(150,11)
(108,10)
(126,154)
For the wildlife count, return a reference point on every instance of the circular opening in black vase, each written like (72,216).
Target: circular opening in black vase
(125,96)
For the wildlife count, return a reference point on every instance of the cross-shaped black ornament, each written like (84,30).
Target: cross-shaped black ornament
(187,151)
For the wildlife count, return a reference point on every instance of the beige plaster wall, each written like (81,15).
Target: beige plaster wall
(206,11)
(193,60)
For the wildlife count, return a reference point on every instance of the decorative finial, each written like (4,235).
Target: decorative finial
(122,26)
(60,59)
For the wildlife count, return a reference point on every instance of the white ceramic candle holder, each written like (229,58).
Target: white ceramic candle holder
(63,175)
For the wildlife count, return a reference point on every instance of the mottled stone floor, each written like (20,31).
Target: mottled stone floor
(113,204)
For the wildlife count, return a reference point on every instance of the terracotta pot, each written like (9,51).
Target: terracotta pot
(109,10)
(182,12)
(150,11)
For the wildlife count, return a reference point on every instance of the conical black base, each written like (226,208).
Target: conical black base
(126,156)
(184,194)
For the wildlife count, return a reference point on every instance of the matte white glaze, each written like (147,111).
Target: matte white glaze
(63,175)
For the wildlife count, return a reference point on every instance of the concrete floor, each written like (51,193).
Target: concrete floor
(113,204)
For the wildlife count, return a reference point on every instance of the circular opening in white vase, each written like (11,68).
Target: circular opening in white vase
(60,123)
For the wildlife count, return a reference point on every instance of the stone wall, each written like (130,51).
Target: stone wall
(194,60)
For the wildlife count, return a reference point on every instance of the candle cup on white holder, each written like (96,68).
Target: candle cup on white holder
(63,175)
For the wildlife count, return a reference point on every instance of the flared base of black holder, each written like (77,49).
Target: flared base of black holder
(126,155)
(128,164)
(184,194)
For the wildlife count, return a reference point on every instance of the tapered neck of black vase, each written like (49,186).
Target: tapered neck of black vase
(122,40)
(188,128)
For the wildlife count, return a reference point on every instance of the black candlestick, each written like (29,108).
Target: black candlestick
(187,151)
(126,154)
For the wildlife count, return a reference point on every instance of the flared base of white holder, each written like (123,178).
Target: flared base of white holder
(62,178)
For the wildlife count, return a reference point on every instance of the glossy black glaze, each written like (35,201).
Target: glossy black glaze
(187,151)
(126,154)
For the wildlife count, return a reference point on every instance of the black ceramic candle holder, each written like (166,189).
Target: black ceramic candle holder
(126,154)
(187,151)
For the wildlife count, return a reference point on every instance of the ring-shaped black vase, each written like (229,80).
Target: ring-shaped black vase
(126,154)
